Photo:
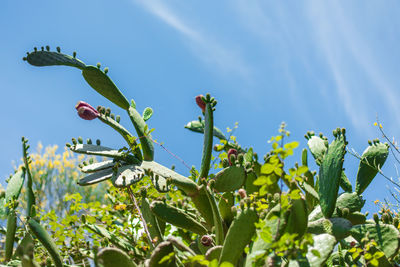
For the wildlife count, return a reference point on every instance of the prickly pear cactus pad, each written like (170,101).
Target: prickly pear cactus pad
(324,245)
(385,235)
(330,173)
(230,179)
(372,160)
(47,58)
(317,146)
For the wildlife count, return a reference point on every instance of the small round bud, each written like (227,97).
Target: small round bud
(345,212)
(200,102)
(58,49)
(118,118)
(106,70)
(98,142)
(98,65)
(47,48)
(376,218)
(232,153)
(242,193)
(74,54)
(80,140)
(86,111)
(206,240)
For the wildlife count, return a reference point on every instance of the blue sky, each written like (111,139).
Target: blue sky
(315,65)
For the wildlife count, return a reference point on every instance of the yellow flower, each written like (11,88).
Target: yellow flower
(375,124)
(380,125)
(376,201)
(120,207)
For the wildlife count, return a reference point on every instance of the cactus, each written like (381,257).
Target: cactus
(96,177)
(198,127)
(164,249)
(214,253)
(10,236)
(330,173)
(14,186)
(43,236)
(324,244)
(372,160)
(238,236)
(385,235)
(151,220)
(338,227)
(229,179)
(176,217)
(317,147)
(127,175)
(48,58)
(108,257)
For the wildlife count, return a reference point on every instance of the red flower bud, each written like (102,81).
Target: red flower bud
(86,111)
(200,102)
(231,151)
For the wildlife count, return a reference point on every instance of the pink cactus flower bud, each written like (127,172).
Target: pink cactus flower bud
(231,151)
(242,193)
(206,240)
(86,111)
(200,102)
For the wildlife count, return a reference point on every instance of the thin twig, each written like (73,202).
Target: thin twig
(133,199)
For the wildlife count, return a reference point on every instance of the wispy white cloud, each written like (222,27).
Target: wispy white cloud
(214,53)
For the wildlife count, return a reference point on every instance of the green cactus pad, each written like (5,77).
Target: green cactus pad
(372,159)
(161,251)
(96,177)
(203,205)
(151,221)
(102,151)
(345,183)
(208,139)
(330,174)
(147,113)
(14,185)
(127,175)
(324,244)
(249,183)
(98,166)
(310,190)
(317,147)
(48,58)
(352,201)
(198,127)
(100,82)
(145,137)
(338,227)
(385,235)
(298,218)
(238,236)
(43,236)
(213,253)
(229,179)
(110,257)
(164,173)
(177,217)
(218,226)
(225,205)
(10,235)
(356,218)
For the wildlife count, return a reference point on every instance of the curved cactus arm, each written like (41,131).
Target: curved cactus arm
(345,183)
(203,205)
(219,229)
(182,182)
(100,82)
(145,138)
(96,150)
(372,160)
(96,177)
(208,135)
(176,217)
(198,127)
(48,58)
(238,236)
(43,236)
(10,235)
(151,220)
(330,173)
(127,175)
(30,195)
(123,132)
(109,257)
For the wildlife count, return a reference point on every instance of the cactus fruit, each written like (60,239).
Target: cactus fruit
(372,160)
(330,173)
(176,217)
(230,179)
(86,111)
(238,236)
(47,58)
(43,236)
(385,235)
(109,257)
